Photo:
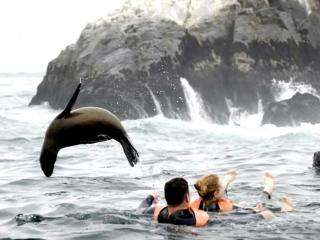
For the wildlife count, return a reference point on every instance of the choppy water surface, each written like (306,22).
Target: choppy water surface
(93,192)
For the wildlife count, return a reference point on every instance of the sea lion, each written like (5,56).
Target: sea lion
(83,126)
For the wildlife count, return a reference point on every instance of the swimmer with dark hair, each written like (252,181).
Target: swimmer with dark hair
(178,210)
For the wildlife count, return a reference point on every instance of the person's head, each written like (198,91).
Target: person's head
(208,187)
(176,191)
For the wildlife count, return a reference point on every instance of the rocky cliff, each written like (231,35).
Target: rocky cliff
(301,108)
(226,49)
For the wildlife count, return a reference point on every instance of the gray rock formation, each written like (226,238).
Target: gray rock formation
(225,49)
(301,108)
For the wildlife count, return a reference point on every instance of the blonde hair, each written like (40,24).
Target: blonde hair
(207,186)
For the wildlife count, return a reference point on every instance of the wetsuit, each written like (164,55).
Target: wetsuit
(226,205)
(240,216)
(189,216)
(222,205)
(146,206)
(180,217)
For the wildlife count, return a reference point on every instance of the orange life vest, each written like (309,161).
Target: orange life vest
(225,205)
(201,217)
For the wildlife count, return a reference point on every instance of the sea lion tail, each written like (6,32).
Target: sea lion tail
(129,150)
(71,102)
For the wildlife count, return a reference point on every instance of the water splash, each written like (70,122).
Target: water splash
(234,113)
(239,117)
(156,102)
(306,5)
(194,103)
(285,90)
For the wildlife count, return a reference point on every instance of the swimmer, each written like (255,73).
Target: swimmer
(211,191)
(178,210)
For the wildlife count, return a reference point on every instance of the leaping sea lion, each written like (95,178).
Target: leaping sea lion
(83,126)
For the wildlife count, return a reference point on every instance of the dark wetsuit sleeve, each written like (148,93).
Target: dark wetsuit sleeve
(147,202)
(146,206)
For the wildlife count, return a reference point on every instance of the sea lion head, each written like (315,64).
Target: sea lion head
(47,161)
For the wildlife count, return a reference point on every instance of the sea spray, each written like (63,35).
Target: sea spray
(194,103)
(238,117)
(156,102)
(285,90)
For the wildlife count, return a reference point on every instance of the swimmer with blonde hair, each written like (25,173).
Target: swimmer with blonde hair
(212,190)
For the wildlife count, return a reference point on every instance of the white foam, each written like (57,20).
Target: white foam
(156,102)
(194,102)
(285,90)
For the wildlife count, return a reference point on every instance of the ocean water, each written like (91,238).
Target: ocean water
(93,192)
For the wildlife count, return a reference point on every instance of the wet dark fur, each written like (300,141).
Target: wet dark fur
(83,126)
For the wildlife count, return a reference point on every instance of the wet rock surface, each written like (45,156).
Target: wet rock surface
(301,108)
(227,50)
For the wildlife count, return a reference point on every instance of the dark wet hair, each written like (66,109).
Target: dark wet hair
(175,190)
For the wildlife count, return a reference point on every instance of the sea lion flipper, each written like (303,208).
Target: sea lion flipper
(70,104)
(129,150)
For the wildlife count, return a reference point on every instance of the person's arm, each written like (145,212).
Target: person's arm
(230,176)
(268,185)
(147,206)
